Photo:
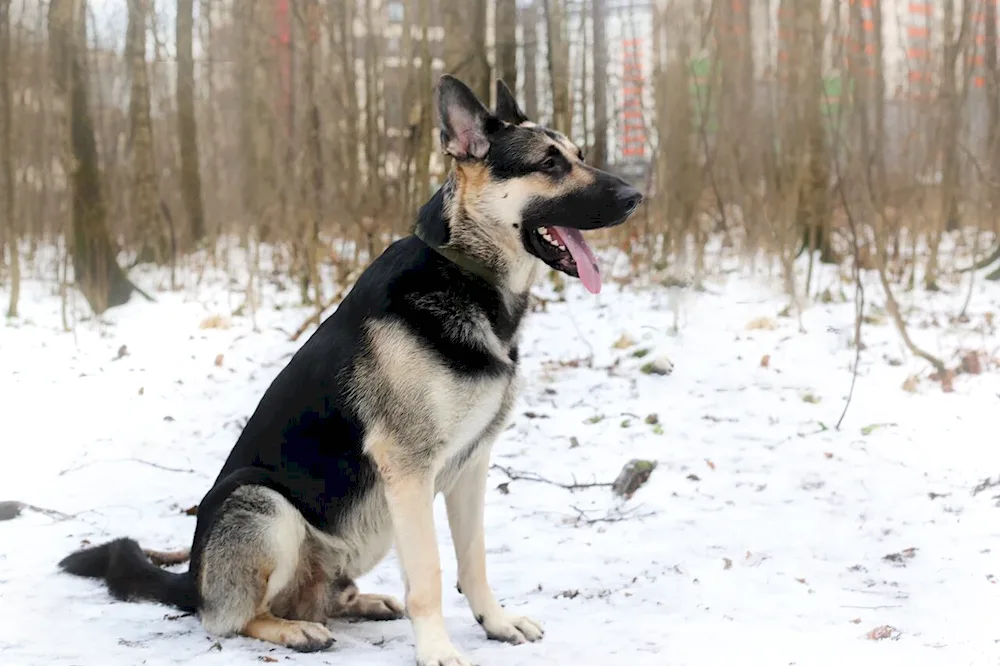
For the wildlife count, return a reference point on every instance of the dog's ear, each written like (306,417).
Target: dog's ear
(507,109)
(464,120)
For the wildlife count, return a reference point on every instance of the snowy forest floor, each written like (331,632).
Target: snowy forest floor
(764,535)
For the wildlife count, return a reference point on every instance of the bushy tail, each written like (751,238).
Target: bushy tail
(131,576)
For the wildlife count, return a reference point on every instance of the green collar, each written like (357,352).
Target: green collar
(460,259)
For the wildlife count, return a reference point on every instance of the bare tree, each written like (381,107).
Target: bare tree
(145,201)
(7,159)
(187,126)
(600,148)
(529,33)
(465,57)
(95,266)
(505,31)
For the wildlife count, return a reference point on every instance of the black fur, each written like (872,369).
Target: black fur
(130,575)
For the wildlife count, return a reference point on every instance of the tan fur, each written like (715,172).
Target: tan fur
(291,633)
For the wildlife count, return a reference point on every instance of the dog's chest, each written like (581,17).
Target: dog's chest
(476,414)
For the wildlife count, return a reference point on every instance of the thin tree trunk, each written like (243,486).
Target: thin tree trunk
(7,160)
(600,150)
(465,44)
(95,267)
(529,32)
(187,127)
(505,31)
(145,208)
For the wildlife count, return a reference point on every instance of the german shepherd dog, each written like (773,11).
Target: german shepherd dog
(397,396)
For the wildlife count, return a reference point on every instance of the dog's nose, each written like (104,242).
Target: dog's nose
(630,198)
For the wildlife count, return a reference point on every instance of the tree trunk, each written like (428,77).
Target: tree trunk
(505,31)
(95,266)
(145,201)
(559,75)
(7,160)
(187,127)
(421,176)
(599,153)
(529,33)
(465,44)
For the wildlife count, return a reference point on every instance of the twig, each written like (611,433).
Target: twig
(859,290)
(872,607)
(314,319)
(515,475)
(613,516)
(135,460)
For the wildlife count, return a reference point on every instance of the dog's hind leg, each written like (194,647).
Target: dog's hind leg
(258,563)
(465,518)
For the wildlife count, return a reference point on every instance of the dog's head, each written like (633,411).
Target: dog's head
(520,191)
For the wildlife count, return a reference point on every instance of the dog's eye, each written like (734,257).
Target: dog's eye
(549,163)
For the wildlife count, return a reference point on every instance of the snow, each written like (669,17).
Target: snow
(760,537)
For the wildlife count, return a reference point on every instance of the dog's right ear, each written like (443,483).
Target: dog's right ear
(464,120)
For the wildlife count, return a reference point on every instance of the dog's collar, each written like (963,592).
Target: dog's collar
(460,259)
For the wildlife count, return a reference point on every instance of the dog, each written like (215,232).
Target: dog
(397,396)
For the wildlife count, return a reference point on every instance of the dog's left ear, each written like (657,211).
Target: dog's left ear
(507,109)
(464,120)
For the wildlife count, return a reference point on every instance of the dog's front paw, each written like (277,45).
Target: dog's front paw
(511,628)
(441,654)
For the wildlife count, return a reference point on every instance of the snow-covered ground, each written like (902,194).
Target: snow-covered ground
(764,535)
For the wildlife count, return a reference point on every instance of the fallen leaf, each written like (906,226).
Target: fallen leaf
(910,385)
(141,390)
(881,633)
(268,659)
(214,321)
(827,455)
(504,488)
(623,342)
(856,620)
(711,465)
(901,556)
(728,563)
(693,477)
(869,429)
(191,510)
(972,363)
(801,580)
(765,361)
(652,419)
(218,360)
(573,442)
(122,352)
(811,398)
(761,324)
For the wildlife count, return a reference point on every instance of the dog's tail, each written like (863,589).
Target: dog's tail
(130,575)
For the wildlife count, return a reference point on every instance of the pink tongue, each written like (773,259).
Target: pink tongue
(586,262)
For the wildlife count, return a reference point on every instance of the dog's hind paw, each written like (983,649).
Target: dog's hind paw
(511,628)
(375,607)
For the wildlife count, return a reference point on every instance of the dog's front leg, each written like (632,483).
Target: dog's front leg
(465,503)
(409,489)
